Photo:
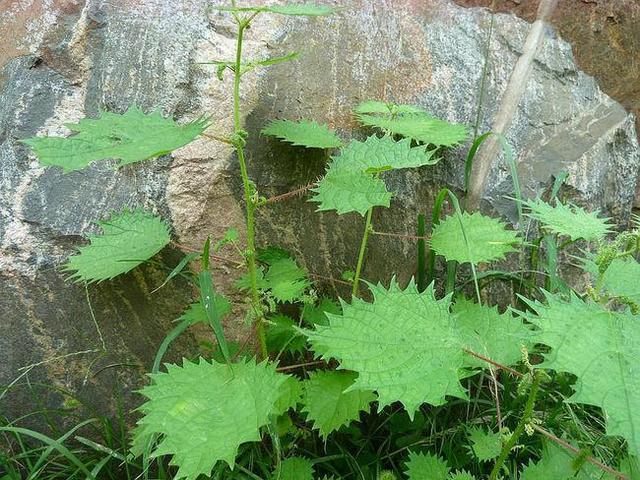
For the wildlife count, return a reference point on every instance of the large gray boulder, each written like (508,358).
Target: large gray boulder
(109,55)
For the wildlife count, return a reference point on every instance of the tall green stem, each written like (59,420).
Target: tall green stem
(249,194)
(363,249)
(422,266)
(517,433)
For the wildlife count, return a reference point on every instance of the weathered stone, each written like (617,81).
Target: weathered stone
(112,54)
(604,35)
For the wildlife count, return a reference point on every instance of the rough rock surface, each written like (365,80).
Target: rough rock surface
(604,35)
(111,54)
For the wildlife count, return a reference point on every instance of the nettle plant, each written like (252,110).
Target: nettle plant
(384,386)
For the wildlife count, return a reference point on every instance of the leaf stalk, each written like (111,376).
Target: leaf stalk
(363,249)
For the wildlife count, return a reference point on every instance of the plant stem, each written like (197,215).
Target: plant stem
(452,268)
(363,248)
(524,420)
(250,204)
(422,267)
(435,219)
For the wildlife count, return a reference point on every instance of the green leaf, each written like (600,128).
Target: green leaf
(286,281)
(204,411)
(301,9)
(282,336)
(243,283)
(601,348)
(425,466)
(389,109)
(127,240)
(271,254)
(304,133)
(383,153)
(557,464)
(486,238)
(196,313)
(373,106)
(485,445)
(230,236)
(630,466)
(386,475)
(488,333)
(348,191)
(569,220)
(622,279)
(290,395)
(461,476)
(316,315)
(329,405)
(130,137)
(418,126)
(349,185)
(275,60)
(404,346)
(295,468)
(348,276)
(222,65)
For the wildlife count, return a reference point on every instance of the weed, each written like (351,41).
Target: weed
(409,383)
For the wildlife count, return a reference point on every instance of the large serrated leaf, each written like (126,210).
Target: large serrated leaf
(196,313)
(130,137)
(290,393)
(601,348)
(127,240)
(379,154)
(621,279)
(303,133)
(463,475)
(489,333)
(329,405)
(286,281)
(418,126)
(425,466)
(204,411)
(570,220)
(485,445)
(295,468)
(557,464)
(472,238)
(348,191)
(404,346)
(349,185)
(282,336)
(316,314)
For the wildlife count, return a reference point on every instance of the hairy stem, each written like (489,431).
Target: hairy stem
(517,433)
(422,267)
(363,249)
(249,195)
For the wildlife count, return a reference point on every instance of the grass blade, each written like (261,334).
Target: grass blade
(52,443)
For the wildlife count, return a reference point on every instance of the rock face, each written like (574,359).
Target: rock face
(76,58)
(605,36)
